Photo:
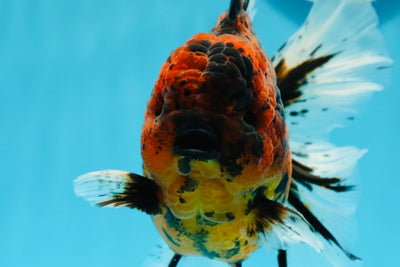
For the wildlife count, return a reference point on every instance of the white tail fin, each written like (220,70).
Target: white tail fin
(324,71)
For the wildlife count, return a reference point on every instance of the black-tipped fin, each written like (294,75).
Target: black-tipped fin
(303,175)
(295,201)
(279,226)
(237,6)
(113,188)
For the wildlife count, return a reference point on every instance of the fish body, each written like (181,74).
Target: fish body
(214,137)
(220,179)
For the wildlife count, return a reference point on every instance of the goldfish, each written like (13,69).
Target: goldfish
(235,145)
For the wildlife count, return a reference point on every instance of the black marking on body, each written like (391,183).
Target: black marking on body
(290,80)
(157,109)
(170,238)
(251,119)
(187,92)
(257,147)
(229,162)
(224,75)
(216,48)
(267,213)
(279,104)
(199,237)
(189,185)
(229,152)
(230,216)
(281,187)
(199,240)
(233,251)
(198,46)
(174,222)
(209,213)
(200,220)
(184,165)
(228,81)
(232,167)
(140,193)
(296,202)
(251,229)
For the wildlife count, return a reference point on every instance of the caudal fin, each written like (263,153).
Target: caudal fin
(325,71)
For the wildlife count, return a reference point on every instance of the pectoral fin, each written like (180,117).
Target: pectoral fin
(113,188)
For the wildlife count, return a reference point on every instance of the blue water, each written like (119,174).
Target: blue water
(75,77)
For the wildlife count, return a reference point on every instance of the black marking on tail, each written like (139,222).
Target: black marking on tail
(282,259)
(315,50)
(237,6)
(302,174)
(291,80)
(295,201)
(174,261)
(140,193)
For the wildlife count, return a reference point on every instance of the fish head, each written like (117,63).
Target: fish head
(215,111)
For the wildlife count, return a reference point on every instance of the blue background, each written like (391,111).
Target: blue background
(75,77)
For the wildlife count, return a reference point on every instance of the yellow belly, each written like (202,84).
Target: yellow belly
(208,214)
(229,241)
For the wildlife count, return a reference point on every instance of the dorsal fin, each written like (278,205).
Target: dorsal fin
(236,7)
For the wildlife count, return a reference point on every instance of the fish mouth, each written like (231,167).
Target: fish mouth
(197,143)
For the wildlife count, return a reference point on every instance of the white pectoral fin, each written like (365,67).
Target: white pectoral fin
(114,188)
(99,186)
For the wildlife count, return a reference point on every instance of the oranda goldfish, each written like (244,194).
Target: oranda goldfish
(222,176)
